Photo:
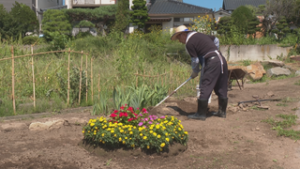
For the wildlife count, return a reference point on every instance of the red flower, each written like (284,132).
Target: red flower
(123,114)
(130,119)
(116,111)
(122,107)
(135,114)
(113,115)
(144,110)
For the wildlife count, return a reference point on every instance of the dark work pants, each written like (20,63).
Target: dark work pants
(213,79)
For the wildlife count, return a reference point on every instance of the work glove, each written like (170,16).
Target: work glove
(194,74)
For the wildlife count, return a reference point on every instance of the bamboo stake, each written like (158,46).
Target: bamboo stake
(136,78)
(92,87)
(144,77)
(33,79)
(86,80)
(99,89)
(68,94)
(13,79)
(80,80)
(21,56)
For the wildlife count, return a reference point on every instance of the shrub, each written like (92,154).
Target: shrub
(135,128)
(29,40)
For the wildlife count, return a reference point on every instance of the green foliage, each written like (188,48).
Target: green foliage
(102,104)
(139,14)
(85,24)
(203,24)
(59,41)
(29,40)
(224,26)
(122,16)
(74,85)
(241,17)
(281,28)
(4,23)
(281,126)
(55,21)
(297,83)
(246,62)
(23,19)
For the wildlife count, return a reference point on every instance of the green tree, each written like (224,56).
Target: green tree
(139,14)
(253,26)
(223,27)
(241,18)
(122,15)
(23,20)
(4,22)
(281,28)
(55,20)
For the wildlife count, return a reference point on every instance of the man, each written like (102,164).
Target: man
(214,74)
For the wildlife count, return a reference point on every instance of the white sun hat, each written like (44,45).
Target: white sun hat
(178,30)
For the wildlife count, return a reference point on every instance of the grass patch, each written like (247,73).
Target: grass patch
(281,126)
(297,83)
(282,104)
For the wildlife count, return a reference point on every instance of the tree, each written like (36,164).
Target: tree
(223,27)
(275,9)
(253,26)
(241,18)
(4,21)
(23,19)
(122,15)
(139,15)
(281,28)
(55,20)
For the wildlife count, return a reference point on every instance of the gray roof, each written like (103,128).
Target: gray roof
(8,4)
(175,7)
(233,4)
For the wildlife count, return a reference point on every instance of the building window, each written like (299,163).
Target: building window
(176,19)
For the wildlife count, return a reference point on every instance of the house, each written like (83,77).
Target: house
(220,13)
(231,5)
(88,3)
(170,14)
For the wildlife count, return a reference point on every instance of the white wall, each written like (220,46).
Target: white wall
(253,52)
(168,25)
(107,2)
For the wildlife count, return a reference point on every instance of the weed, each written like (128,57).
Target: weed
(274,160)
(282,104)
(108,162)
(294,109)
(280,126)
(297,83)
(246,62)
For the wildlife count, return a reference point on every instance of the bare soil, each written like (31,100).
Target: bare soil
(239,141)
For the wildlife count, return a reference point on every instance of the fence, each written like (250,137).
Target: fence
(172,78)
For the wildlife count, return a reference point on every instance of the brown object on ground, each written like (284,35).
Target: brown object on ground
(241,140)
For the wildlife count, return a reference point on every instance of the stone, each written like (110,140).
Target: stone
(278,71)
(233,109)
(273,62)
(270,94)
(256,71)
(297,73)
(38,126)
(77,121)
(13,126)
(167,111)
(264,107)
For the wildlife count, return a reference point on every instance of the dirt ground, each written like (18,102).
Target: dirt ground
(241,140)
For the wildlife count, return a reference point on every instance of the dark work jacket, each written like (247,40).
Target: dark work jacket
(199,45)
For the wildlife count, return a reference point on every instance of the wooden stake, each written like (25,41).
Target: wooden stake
(92,87)
(86,81)
(68,94)
(80,80)
(33,79)
(99,86)
(136,78)
(13,79)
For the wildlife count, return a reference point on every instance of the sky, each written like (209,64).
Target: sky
(211,4)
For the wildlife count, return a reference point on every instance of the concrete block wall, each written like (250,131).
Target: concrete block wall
(253,52)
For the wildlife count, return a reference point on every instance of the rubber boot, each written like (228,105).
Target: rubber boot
(201,112)
(222,108)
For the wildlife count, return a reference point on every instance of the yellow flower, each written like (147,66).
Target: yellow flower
(148,147)
(82,131)
(151,131)
(121,131)
(166,134)
(115,135)
(89,131)
(100,140)
(158,136)
(96,128)
(92,124)
(162,145)
(179,129)
(154,134)
(167,139)
(95,133)
(103,142)
(112,131)
(131,132)
(161,149)
(145,137)
(132,145)
(120,139)
(141,134)
(125,138)
(186,132)
(124,142)
(103,134)
(157,126)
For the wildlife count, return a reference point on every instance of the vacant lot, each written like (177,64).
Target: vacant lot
(242,140)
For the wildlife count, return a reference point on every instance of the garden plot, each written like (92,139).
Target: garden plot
(247,138)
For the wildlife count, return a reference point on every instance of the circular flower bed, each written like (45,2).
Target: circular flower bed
(135,128)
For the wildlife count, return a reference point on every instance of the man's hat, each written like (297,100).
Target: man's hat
(179,30)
